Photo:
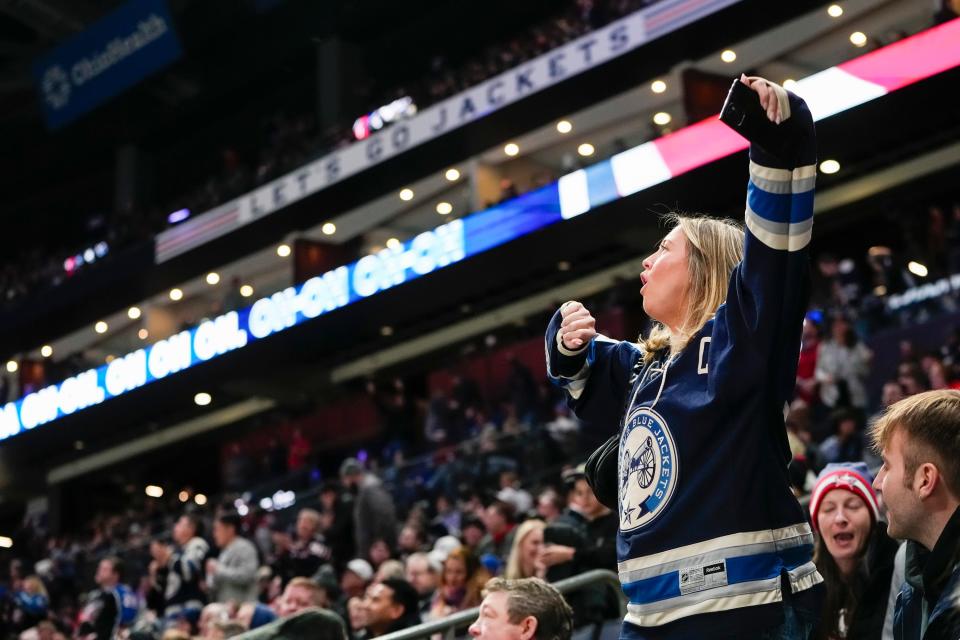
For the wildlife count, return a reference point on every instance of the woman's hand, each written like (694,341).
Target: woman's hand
(773,97)
(578,326)
(552,554)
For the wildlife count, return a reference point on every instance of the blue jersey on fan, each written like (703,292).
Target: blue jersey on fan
(128,604)
(709,528)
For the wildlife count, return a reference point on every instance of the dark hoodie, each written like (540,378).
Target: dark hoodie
(929,604)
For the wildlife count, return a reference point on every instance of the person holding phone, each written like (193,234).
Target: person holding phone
(712,542)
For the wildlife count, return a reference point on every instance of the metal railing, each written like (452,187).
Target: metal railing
(448,626)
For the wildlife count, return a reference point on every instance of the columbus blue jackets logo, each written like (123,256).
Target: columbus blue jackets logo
(648,468)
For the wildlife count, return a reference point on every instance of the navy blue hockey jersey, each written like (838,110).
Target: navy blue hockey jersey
(708,524)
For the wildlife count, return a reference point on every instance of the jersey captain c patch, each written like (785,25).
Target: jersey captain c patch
(647,468)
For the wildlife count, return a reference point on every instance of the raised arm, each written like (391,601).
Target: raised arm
(769,290)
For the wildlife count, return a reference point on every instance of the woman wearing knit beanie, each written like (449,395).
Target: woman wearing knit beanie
(854,554)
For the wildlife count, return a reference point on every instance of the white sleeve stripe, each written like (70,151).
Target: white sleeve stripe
(778,241)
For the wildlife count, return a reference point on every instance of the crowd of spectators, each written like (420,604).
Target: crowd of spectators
(287,140)
(387,543)
(467,487)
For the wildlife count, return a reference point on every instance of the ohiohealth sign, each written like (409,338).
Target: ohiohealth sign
(831,91)
(115,53)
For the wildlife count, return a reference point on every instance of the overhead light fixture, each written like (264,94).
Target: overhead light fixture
(658,86)
(829,166)
(406,194)
(858,38)
(79,445)
(154,491)
(110,358)
(5,542)
(917,269)
(564,126)
(585,149)
(246,291)
(563,265)
(511,149)
(184,496)
(213,278)
(393,243)
(200,499)
(202,399)
(834,11)
(661,118)
(143,334)
(452,175)
(100,327)
(12,366)
(444,208)
(176,294)
(790,84)
(728,56)
(386,331)
(46,351)
(133,313)
(283,250)
(328,229)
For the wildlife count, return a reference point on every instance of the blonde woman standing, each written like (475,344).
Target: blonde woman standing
(711,543)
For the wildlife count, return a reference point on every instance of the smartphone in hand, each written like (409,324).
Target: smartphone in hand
(743,113)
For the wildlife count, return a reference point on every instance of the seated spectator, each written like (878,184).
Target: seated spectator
(582,539)
(307,552)
(390,606)
(461,583)
(524,560)
(389,569)
(853,553)
(846,443)
(412,539)
(424,575)
(232,576)
(357,618)
(498,519)
(379,553)
(522,610)
(211,614)
(355,578)
(30,604)
(549,505)
(301,593)
(512,493)
(473,533)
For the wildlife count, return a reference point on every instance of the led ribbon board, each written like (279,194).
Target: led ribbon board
(831,91)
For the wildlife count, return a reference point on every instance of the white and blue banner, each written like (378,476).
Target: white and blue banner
(368,276)
(114,54)
(562,63)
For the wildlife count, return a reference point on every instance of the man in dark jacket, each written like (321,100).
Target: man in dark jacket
(584,537)
(374,515)
(919,481)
